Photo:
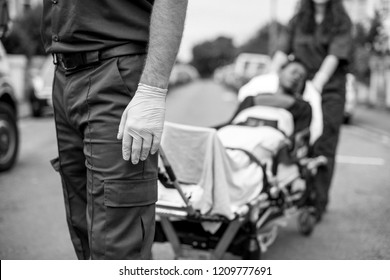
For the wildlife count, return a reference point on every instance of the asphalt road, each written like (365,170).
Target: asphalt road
(357,225)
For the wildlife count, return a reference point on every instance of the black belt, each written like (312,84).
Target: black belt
(71,61)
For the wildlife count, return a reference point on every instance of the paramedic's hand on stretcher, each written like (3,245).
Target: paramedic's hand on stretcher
(142,123)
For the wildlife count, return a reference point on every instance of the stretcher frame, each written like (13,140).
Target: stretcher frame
(265,208)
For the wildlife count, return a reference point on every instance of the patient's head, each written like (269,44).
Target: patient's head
(292,77)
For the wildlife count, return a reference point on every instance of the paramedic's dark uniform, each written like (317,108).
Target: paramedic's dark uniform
(311,50)
(99,48)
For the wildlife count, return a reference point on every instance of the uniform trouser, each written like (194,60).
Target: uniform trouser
(326,145)
(110,203)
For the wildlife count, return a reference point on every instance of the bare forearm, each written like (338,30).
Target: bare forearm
(279,59)
(166,29)
(327,69)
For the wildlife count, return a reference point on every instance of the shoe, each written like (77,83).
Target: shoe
(318,217)
(320,211)
(318,214)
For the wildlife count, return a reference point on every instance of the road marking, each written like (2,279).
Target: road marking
(360,160)
(375,134)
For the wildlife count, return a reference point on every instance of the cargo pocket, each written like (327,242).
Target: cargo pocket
(130,193)
(130,210)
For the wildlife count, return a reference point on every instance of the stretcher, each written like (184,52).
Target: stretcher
(230,190)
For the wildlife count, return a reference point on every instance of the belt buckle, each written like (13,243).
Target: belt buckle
(64,64)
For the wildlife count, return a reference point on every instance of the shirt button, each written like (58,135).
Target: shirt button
(55,38)
(54,1)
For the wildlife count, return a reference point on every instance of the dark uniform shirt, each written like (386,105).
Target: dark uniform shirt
(311,50)
(89,25)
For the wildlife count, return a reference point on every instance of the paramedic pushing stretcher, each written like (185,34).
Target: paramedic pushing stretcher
(113,62)
(320,36)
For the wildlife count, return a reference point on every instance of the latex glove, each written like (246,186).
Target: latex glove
(142,123)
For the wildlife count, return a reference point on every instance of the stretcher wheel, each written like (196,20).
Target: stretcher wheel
(252,246)
(253,250)
(306,222)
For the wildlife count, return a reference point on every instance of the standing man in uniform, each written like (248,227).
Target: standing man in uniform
(114,60)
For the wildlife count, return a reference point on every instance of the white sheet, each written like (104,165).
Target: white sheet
(252,138)
(227,178)
(262,84)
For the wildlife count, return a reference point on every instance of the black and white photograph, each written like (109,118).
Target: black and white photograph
(167,130)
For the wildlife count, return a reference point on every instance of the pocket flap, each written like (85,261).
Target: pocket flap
(55,162)
(130,193)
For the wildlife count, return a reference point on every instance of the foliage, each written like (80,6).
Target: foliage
(361,54)
(262,42)
(374,30)
(367,42)
(209,55)
(24,37)
(360,64)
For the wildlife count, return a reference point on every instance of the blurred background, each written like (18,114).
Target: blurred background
(225,44)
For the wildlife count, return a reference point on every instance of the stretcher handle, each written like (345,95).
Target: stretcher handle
(167,166)
(173,178)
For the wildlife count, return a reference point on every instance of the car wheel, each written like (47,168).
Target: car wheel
(9,137)
(347,119)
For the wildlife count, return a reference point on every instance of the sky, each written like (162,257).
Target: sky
(238,19)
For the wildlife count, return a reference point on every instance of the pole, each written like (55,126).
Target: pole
(273,27)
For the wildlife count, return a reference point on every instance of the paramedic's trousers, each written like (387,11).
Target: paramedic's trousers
(110,203)
(333,114)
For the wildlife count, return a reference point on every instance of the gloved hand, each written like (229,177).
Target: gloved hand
(142,123)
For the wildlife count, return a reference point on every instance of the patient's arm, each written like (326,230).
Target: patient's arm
(274,100)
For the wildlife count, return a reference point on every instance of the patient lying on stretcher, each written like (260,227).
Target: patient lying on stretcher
(213,166)
(284,92)
(271,114)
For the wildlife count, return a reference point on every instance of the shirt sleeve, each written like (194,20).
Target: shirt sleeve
(341,45)
(285,41)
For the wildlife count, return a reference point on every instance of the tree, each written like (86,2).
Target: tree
(25,37)
(361,54)
(209,55)
(373,34)
(367,42)
(260,42)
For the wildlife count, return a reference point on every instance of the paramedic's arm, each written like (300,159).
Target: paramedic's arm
(327,69)
(339,52)
(166,29)
(279,59)
(142,121)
